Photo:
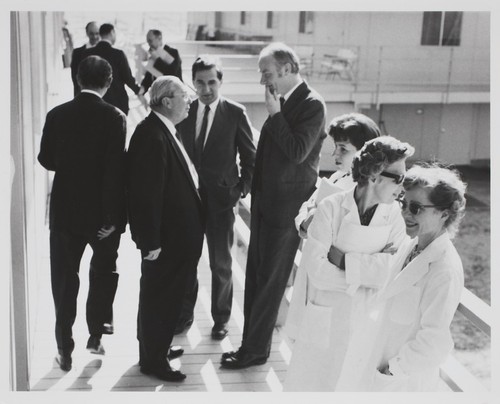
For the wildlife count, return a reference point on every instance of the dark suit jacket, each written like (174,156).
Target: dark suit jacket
(287,162)
(76,58)
(122,75)
(164,206)
(229,134)
(83,141)
(173,69)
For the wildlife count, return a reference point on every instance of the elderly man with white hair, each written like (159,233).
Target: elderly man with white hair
(166,222)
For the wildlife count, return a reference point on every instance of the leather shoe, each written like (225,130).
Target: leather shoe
(242,360)
(64,362)
(108,328)
(163,372)
(226,355)
(174,352)
(94,345)
(183,325)
(219,331)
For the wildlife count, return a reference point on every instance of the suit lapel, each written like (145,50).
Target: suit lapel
(298,95)
(188,128)
(416,269)
(180,157)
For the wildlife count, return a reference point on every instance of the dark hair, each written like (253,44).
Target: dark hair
(155,32)
(94,73)
(106,29)
(376,155)
(207,62)
(355,128)
(446,190)
(282,55)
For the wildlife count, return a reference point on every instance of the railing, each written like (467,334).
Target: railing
(365,68)
(452,372)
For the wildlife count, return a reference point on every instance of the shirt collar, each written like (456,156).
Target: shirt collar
(168,123)
(91,92)
(287,95)
(212,106)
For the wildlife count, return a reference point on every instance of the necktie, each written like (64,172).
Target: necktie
(200,140)
(282,101)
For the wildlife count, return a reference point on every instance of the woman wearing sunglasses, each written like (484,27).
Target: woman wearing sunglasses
(407,329)
(349,132)
(347,257)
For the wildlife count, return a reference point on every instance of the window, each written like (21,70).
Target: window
(243,16)
(269,23)
(306,22)
(442,28)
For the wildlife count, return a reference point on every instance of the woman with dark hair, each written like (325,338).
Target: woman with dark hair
(349,132)
(405,335)
(347,259)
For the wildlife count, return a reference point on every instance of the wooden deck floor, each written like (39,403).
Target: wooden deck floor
(118,370)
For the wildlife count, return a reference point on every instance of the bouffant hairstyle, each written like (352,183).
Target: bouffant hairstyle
(445,188)
(354,128)
(376,155)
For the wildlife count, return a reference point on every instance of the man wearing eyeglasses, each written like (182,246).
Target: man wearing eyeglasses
(166,222)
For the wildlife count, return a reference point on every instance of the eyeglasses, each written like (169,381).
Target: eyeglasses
(415,208)
(397,178)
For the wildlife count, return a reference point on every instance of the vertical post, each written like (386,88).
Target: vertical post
(379,75)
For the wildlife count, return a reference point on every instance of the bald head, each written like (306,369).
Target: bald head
(92,30)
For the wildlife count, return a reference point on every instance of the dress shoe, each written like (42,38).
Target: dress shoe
(64,362)
(183,325)
(163,372)
(108,328)
(94,345)
(242,360)
(226,355)
(174,352)
(219,331)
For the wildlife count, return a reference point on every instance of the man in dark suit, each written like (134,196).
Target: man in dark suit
(92,30)
(122,75)
(164,60)
(215,132)
(166,222)
(83,141)
(286,171)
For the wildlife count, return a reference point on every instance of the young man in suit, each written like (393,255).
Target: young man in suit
(166,222)
(87,203)
(285,174)
(92,31)
(122,75)
(165,59)
(215,132)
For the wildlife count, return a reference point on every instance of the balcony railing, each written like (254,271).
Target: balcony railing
(452,372)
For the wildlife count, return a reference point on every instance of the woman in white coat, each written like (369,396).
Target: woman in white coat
(405,335)
(347,259)
(349,132)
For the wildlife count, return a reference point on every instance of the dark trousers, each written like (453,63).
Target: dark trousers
(271,252)
(163,284)
(220,236)
(66,252)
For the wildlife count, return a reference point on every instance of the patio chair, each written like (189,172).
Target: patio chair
(341,64)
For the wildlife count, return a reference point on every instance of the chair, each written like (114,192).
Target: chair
(340,64)
(306,58)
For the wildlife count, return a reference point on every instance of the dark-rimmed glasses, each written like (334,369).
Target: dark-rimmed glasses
(397,178)
(415,208)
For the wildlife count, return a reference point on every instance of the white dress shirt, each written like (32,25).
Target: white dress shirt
(171,127)
(91,92)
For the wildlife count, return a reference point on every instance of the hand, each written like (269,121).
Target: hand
(336,257)
(304,226)
(143,101)
(389,249)
(153,254)
(385,370)
(142,91)
(272,101)
(105,231)
(154,54)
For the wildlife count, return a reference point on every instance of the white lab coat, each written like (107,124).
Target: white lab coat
(334,297)
(297,306)
(407,324)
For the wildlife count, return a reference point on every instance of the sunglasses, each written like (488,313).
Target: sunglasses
(397,178)
(415,208)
